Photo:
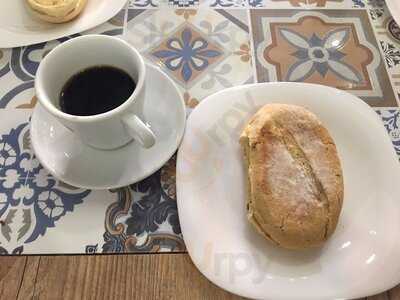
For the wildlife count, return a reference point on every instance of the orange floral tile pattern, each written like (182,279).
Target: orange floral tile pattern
(318,52)
(324,47)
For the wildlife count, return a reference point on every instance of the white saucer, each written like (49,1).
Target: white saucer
(70,160)
(360,259)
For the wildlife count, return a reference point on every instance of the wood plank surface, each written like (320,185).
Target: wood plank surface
(394,293)
(27,287)
(149,276)
(11,274)
(383,296)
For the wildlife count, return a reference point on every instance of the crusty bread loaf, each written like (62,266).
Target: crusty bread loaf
(295,182)
(56,11)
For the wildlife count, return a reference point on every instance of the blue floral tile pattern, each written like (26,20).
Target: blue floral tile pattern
(391,53)
(183,3)
(155,205)
(228,3)
(358,3)
(391,121)
(320,55)
(187,53)
(387,32)
(394,29)
(203,50)
(29,193)
(143,3)
(51,202)
(237,3)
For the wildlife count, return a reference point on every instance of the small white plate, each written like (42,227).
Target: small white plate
(362,256)
(70,160)
(18,27)
(394,7)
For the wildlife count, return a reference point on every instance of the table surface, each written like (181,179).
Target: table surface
(142,218)
(128,276)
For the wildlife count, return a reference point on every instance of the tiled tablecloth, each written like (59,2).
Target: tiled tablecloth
(205,46)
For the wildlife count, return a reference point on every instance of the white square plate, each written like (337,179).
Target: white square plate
(18,27)
(362,256)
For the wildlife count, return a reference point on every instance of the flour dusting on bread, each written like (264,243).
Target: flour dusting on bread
(295,182)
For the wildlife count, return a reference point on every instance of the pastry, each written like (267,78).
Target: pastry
(56,11)
(295,182)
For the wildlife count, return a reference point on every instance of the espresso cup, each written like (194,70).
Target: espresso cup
(113,128)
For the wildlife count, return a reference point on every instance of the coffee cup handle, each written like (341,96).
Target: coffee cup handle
(139,130)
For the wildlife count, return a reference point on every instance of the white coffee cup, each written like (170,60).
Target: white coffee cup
(108,130)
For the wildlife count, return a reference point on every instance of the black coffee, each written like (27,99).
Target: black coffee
(96,90)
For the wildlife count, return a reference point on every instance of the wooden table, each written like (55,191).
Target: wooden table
(135,276)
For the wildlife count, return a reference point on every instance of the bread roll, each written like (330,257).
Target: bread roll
(56,11)
(295,182)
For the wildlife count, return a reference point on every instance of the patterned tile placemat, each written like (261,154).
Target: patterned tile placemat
(204,46)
